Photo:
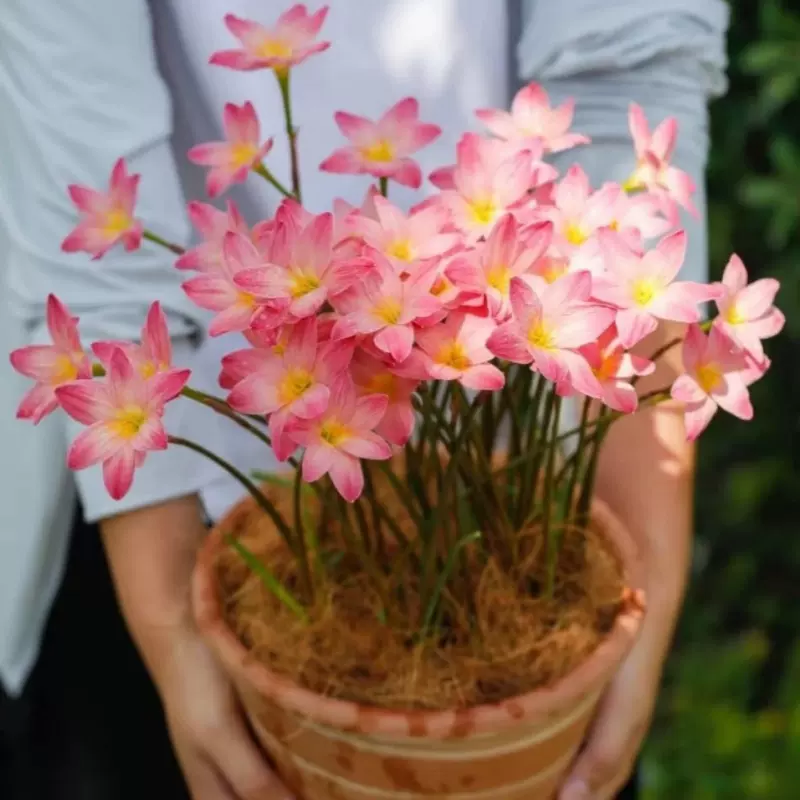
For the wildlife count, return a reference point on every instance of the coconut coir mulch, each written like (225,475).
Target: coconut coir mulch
(513,641)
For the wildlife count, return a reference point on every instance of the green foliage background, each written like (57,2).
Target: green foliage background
(728,725)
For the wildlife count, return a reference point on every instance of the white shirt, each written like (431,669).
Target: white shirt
(79,86)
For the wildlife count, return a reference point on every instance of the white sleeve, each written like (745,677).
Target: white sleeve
(79,87)
(666,55)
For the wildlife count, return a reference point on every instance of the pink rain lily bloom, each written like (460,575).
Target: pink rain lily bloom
(653,169)
(613,367)
(302,270)
(383,148)
(508,251)
(576,212)
(385,306)
(212,224)
(488,180)
(373,376)
(291,383)
(336,442)
(713,378)
(106,218)
(124,413)
(232,160)
(547,328)
(643,286)
(152,355)
(533,119)
(638,217)
(51,365)
(746,312)
(286,44)
(236,366)
(237,309)
(402,238)
(455,350)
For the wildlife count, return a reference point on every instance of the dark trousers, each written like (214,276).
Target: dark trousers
(89,724)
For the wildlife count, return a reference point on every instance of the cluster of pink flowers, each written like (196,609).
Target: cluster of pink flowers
(348,312)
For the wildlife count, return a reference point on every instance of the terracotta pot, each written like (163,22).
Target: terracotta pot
(327,749)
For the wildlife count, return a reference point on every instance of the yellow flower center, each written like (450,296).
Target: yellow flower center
(128,421)
(540,337)
(381,152)
(608,368)
(388,311)
(148,369)
(302,283)
(574,234)
(401,250)
(709,376)
(483,211)
(733,316)
(553,269)
(499,278)
(382,383)
(334,433)
(440,286)
(613,225)
(66,369)
(116,222)
(294,384)
(243,153)
(454,355)
(247,299)
(644,291)
(273,48)
(279,348)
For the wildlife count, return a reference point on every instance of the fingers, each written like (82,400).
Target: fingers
(606,761)
(243,765)
(202,779)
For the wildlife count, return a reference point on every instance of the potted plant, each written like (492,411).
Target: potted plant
(428,601)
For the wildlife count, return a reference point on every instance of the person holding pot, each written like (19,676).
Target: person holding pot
(84,82)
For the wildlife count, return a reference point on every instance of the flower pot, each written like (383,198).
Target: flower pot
(329,749)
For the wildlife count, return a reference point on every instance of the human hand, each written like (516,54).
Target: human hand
(217,753)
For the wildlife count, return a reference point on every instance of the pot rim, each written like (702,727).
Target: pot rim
(346,715)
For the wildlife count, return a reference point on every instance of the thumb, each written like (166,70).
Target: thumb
(245,766)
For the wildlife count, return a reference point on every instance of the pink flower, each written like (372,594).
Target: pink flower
(301,272)
(653,170)
(508,251)
(455,350)
(51,365)
(292,382)
(637,217)
(286,44)
(385,306)
(212,224)
(383,148)
(153,355)
(125,414)
(237,309)
(613,367)
(402,238)
(576,212)
(532,119)
(747,314)
(106,218)
(643,286)
(232,160)
(372,376)
(489,179)
(335,442)
(713,378)
(549,325)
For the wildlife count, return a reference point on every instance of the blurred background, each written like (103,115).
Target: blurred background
(728,725)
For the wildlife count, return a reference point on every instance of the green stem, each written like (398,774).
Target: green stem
(306,579)
(604,419)
(383,186)
(283,528)
(576,459)
(156,239)
(291,132)
(551,534)
(261,170)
